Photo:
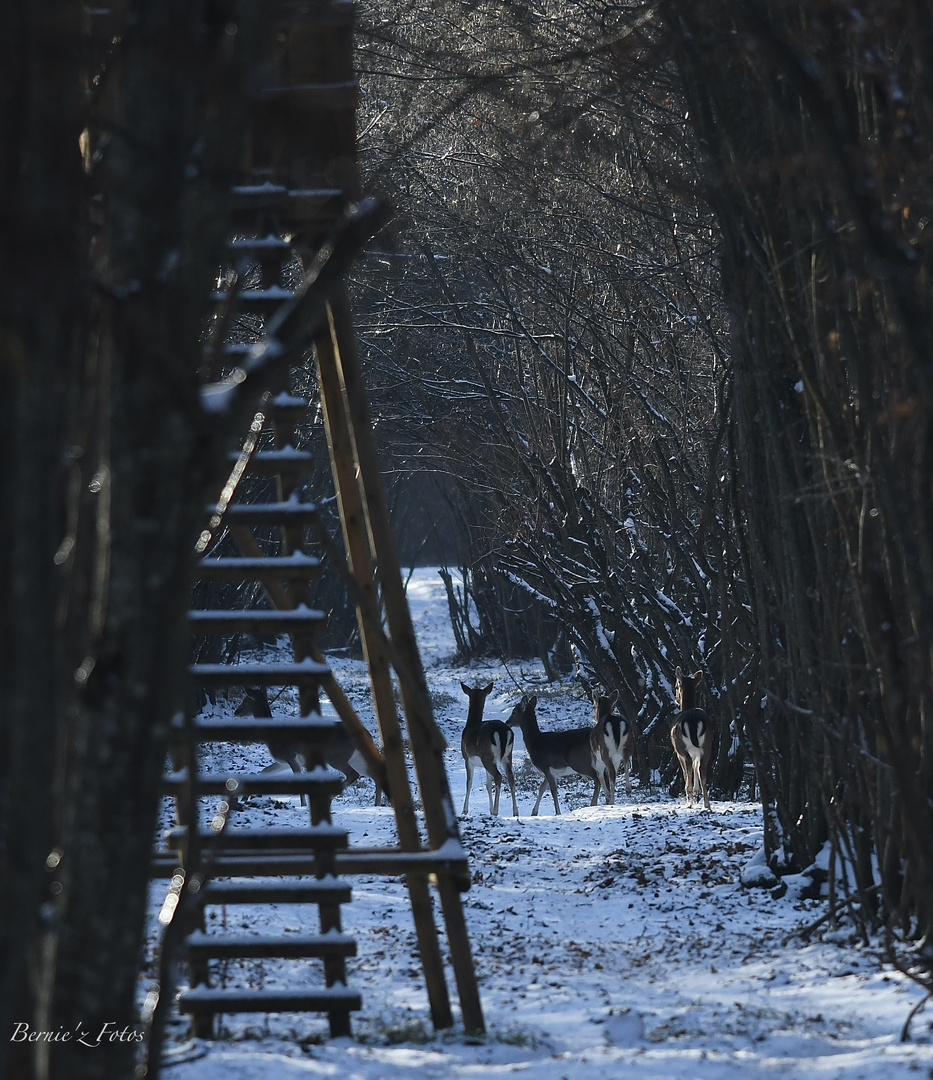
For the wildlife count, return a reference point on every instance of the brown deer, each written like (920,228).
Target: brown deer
(488,743)
(612,740)
(692,736)
(339,751)
(555,753)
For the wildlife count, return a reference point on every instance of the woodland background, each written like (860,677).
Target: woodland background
(648,340)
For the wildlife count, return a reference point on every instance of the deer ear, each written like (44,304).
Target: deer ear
(698,677)
(487,689)
(532,701)
(679,675)
(465,688)
(613,698)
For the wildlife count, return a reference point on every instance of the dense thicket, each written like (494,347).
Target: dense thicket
(820,146)
(659,304)
(550,309)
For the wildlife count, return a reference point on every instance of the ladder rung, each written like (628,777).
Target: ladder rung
(392,861)
(273,461)
(301,13)
(389,862)
(317,891)
(263,728)
(308,672)
(290,946)
(289,406)
(334,998)
(262,301)
(261,248)
(290,513)
(323,837)
(296,567)
(257,621)
(297,204)
(317,781)
(313,96)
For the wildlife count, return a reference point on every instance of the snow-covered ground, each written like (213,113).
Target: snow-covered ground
(609,942)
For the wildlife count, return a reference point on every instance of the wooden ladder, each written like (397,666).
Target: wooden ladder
(298,181)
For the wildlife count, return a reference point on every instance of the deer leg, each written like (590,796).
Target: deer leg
(610,778)
(552,783)
(696,780)
(297,761)
(701,773)
(597,784)
(686,769)
(469,784)
(493,784)
(541,790)
(510,779)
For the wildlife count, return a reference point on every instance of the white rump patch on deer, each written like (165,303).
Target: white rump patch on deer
(695,749)
(614,745)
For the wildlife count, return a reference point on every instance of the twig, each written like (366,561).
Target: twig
(805,931)
(905,1030)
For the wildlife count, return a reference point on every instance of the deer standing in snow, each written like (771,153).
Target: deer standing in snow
(555,753)
(692,736)
(339,750)
(488,743)
(612,741)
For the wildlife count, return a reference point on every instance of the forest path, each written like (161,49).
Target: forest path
(610,941)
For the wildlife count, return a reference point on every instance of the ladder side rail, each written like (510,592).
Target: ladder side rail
(426,741)
(360,560)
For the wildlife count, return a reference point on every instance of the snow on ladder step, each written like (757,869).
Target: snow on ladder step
(200,945)
(289,513)
(298,205)
(260,248)
(303,673)
(287,408)
(286,459)
(202,999)
(256,301)
(295,567)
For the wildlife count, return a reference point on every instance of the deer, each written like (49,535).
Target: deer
(339,750)
(612,740)
(692,736)
(488,743)
(555,753)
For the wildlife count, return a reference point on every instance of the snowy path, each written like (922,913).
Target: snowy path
(609,942)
